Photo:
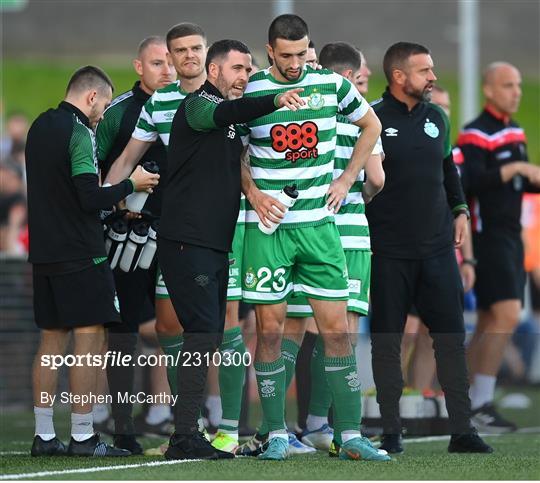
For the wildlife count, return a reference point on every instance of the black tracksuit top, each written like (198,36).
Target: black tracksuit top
(412,216)
(202,197)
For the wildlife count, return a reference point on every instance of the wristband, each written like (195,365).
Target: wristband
(470,261)
(462,211)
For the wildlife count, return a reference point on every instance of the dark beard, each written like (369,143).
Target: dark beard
(284,74)
(423,95)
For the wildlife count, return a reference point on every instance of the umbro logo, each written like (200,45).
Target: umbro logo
(391,132)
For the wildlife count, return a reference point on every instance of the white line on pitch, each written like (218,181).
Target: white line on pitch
(92,470)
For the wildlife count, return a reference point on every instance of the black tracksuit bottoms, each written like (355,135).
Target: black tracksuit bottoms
(196,278)
(434,286)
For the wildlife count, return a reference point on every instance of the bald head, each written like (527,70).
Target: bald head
(496,68)
(502,87)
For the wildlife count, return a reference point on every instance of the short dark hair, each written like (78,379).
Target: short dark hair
(89,77)
(340,56)
(221,49)
(398,54)
(311,44)
(184,29)
(152,40)
(288,27)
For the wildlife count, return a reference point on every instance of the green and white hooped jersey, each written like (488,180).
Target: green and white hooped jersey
(157,114)
(351,219)
(298,147)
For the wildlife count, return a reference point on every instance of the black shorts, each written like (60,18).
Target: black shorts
(500,274)
(75,299)
(136,294)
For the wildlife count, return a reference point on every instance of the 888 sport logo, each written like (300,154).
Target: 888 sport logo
(299,140)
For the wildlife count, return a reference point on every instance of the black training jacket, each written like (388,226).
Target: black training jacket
(412,217)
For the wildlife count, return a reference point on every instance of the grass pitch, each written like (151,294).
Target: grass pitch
(515,458)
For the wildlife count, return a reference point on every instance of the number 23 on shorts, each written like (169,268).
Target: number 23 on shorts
(266,283)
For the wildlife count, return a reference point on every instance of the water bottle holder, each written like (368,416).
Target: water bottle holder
(117,237)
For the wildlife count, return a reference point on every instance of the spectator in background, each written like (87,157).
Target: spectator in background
(16,131)
(12,209)
(530,221)
(497,174)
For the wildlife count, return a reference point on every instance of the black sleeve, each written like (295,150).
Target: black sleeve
(243,110)
(531,188)
(203,114)
(452,184)
(93,197)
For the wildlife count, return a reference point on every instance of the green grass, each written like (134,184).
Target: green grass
(34,86)
(515,458)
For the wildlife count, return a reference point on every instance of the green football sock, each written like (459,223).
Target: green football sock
(289,352)
(172,346)
(231,377)
(342,377)
(321,397)
(271,385)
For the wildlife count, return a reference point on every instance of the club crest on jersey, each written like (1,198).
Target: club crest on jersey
(431,129)
(250,280)
(315,100)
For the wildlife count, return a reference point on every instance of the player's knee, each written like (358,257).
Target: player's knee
(337,344)
(505,316)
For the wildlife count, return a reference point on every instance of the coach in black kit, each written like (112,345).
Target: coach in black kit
(135,289)
(73,284)
(200,209)
(415,224)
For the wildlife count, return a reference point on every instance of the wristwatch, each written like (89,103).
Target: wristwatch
(470,261)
